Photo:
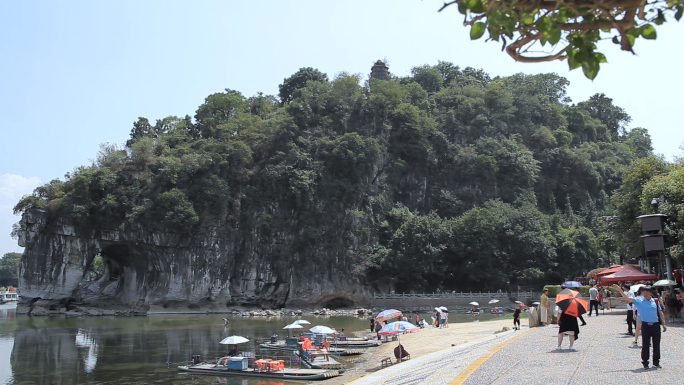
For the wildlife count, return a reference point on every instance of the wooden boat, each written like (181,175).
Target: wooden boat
(478,311)
(282,345)
(285,374)
(319,361)
(344,338)
(354,344)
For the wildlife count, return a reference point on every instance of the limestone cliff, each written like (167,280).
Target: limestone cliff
(157,271)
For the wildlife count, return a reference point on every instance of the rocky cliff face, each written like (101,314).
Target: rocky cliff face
(215,270)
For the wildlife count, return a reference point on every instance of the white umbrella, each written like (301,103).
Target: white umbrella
(233,340)
(536,303)
(520,302)
(474,303)
(321,330)
(636,287)
(302,322)
(443,308)
(438,309)
(491,301)
(293,326)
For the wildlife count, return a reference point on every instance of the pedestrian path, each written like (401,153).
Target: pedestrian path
(606,356)
(438,368)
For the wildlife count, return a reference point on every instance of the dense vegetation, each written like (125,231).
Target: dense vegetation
(9,269)
(446,179)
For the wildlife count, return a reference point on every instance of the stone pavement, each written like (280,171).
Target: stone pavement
(438,368)
(605,356)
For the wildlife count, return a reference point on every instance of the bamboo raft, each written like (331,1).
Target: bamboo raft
(287,373)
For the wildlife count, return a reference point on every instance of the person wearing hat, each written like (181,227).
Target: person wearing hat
(652,318)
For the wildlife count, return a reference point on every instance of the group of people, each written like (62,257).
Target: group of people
(644,316)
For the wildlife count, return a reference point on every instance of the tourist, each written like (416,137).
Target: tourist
(233,351)
(417,318)
(605,294)
(516,317)
(637,318)
(567,325)
(544,307)
(630,312)
(593,299)
(652,318)
(372,324)
(377,329)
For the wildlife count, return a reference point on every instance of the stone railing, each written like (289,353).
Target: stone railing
(454,295)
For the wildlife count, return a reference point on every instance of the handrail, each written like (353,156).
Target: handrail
(459,295)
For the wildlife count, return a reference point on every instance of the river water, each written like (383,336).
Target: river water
(137,350)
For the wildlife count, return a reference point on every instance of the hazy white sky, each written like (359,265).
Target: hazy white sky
(75,74)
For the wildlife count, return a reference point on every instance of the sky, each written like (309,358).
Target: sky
(76,74)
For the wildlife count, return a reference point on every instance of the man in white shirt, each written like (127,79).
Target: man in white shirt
(593,299)
(630,312)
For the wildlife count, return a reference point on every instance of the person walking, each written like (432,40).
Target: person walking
(516,317)
(652,318)
(544,307)
(593,299)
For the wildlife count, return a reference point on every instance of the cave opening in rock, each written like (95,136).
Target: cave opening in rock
(339,303)
(115,258)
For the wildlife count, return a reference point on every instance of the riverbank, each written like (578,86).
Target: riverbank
(418,344)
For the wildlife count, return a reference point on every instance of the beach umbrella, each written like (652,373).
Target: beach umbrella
(665,282)
(321,330)
(293,326)
(233,340)
(474,303)
(571,284)
(302,322)
(535,303)
(571,302)
(438,309)
(444,309)
(398,327)
(491,301)
(387,314)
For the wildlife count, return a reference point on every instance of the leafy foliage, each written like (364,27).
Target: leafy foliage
(445,179)
(9,269)
(565,30)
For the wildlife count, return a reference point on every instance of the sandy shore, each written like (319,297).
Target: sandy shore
(418,344)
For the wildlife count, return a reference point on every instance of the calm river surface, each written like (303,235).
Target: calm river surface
(136,350)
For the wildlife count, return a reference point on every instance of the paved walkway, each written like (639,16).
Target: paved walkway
(438,368)
(605,356)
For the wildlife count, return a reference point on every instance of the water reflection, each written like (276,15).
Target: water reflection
(121,350)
